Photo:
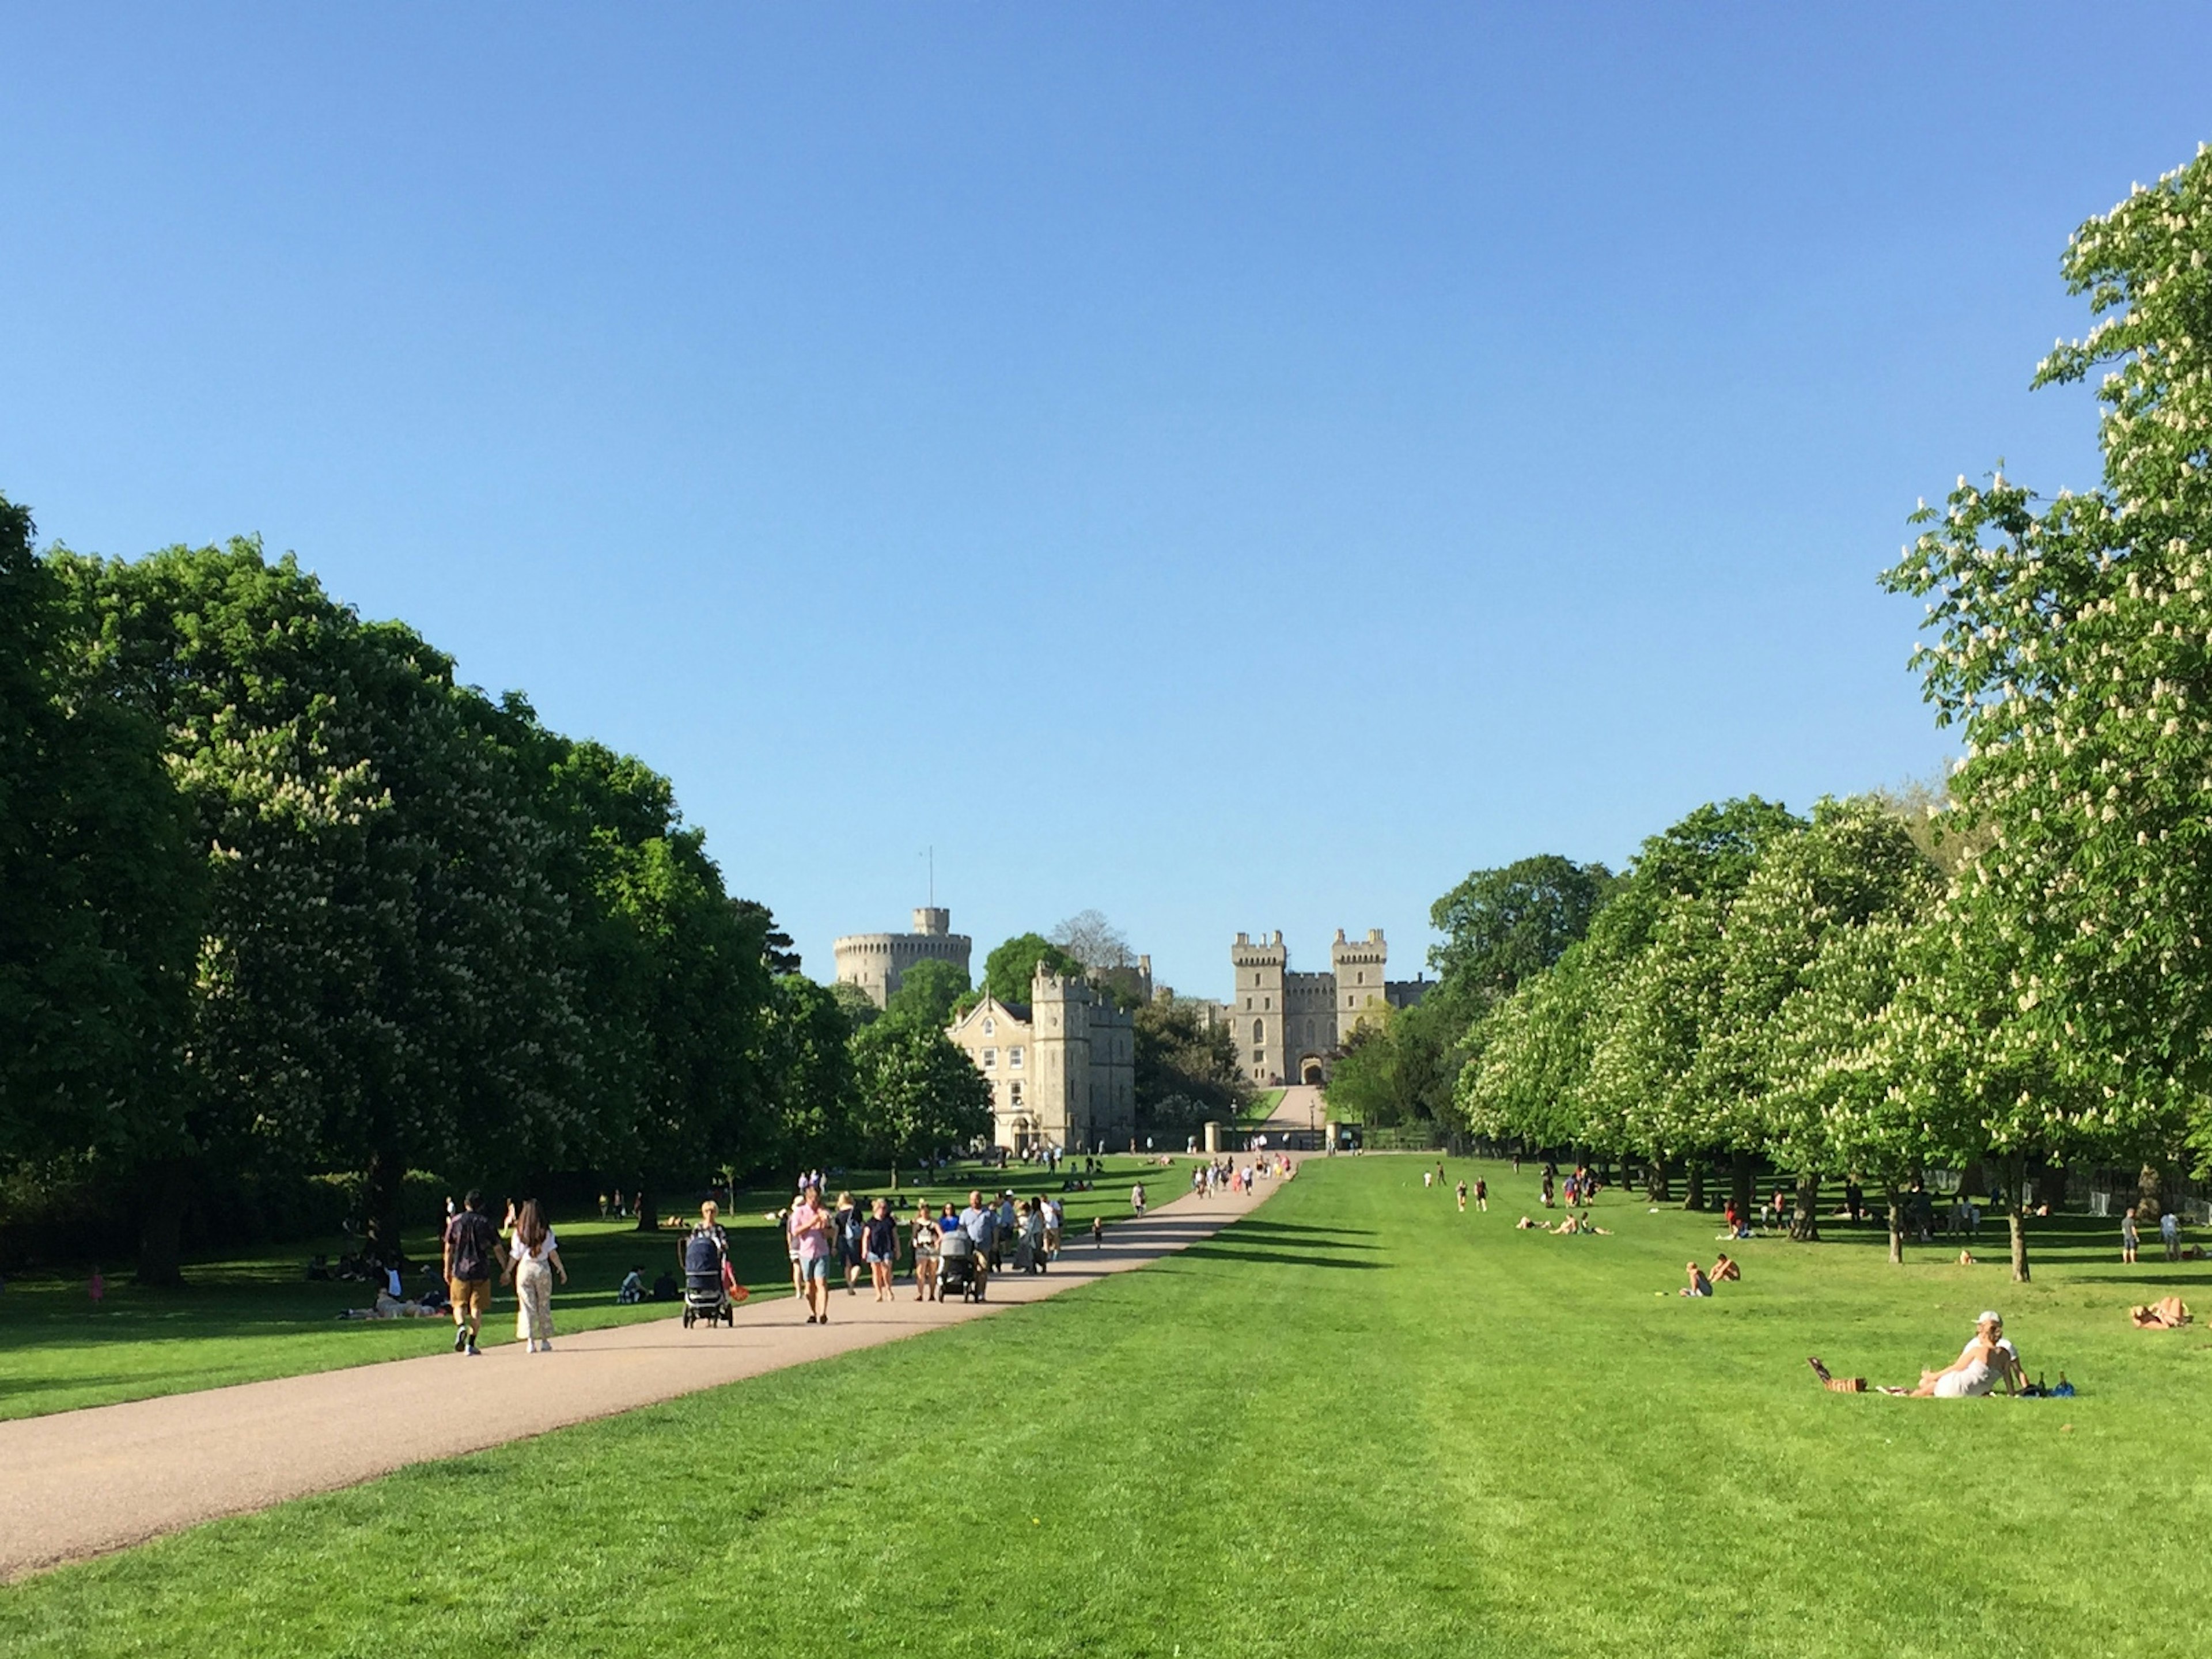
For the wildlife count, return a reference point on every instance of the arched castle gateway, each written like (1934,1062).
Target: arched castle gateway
(876,962)
(1288,1026)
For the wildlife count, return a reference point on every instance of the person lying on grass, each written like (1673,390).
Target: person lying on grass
(1581,1224)
(1987,1359)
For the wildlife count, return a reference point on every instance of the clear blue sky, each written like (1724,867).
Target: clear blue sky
(1235,467)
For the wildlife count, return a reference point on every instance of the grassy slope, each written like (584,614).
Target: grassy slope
(241,1320)
(1258,1109)
(1357,1422)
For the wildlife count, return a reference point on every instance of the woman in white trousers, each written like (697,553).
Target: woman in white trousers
(533,1257)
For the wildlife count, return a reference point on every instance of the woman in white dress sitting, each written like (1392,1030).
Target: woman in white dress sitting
(1980,1364)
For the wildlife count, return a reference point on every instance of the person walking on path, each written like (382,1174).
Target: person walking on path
(810,1237)
(471,1246)
(846,1225)
(880,1243)
(981,1227)
(1137,1200)
(926,1242)
(1097,1232)
(2128,1237)
(534,1256)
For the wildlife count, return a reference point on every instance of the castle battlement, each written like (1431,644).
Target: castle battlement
(1290,1026)
(877,962)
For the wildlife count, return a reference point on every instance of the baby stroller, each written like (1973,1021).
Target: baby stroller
(956,1273)
(705,1295)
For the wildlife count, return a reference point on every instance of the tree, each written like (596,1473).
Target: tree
(1092,940)
(1503,926)
(1186,1070)
(859,1008)
(1399,1065)
(1855,864)
(777,955)
(2070,647)
(1833,1087)
(926,995)
(1009,971)
(676,972)
(804,1059)
(915,1093)
(384,977)
(102,891)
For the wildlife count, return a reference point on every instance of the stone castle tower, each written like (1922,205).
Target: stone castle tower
(1289,1026)
(876,962)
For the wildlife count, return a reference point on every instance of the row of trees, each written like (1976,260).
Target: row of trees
(2018,970)
(277,894)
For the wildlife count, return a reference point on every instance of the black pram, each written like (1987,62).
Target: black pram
(705,1296)
(959,1271)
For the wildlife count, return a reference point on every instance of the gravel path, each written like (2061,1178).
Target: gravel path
(79,1484)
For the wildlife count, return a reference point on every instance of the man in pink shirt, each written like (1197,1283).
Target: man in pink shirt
(810,1235)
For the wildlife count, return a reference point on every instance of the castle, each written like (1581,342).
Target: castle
(1289,1026)
(876,962)
(1062,1068)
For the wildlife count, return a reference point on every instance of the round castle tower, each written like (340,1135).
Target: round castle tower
(877,962)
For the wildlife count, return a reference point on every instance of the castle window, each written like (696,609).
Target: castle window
(1361,976)
(1017,1092)
(990,1059)
(990,1026)
(1014,1059)
(1259,1030)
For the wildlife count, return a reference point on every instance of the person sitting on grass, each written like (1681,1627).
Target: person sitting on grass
(633,1288)
(1986,1360)
(1725,1268)
(1698,1285)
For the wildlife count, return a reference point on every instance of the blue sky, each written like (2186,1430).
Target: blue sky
(1233,467)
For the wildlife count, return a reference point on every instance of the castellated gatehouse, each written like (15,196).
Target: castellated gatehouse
(1290,1026)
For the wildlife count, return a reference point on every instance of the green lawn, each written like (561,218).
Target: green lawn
(1357,1422)
(1259,1108)
(243,1320)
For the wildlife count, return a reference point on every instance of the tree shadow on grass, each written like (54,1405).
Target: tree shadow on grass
(1291,1229)
(1278,1257)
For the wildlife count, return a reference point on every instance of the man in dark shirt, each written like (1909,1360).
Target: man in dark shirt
(471,1252)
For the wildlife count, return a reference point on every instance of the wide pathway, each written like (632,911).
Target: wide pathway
(82,1483)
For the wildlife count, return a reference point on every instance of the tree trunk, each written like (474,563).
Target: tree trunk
(2150,1194)
(1805,1219)
(161,1226)
(1694,1199)
(1740,1181)
(1896,1228)
(1658,1186)
(648,1220)
(380,1188)
(2016,1207)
